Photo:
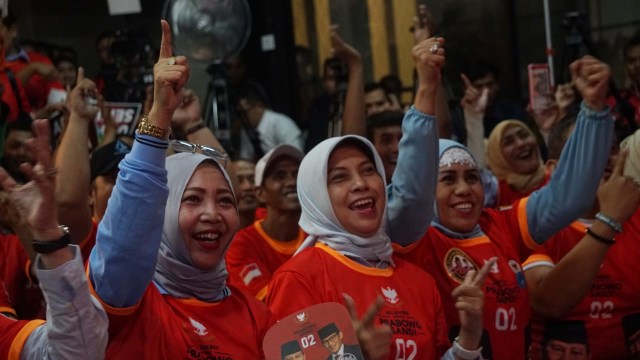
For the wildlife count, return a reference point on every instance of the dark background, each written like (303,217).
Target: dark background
(508,32)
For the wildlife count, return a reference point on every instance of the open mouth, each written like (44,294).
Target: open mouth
(362,205)
(464,208)
(208,240)
(291,195)
(525,154)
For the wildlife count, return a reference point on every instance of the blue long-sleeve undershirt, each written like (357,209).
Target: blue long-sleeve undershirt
(572,188)
(412,190)
(124,258)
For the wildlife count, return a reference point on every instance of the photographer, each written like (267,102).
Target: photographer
(127,68)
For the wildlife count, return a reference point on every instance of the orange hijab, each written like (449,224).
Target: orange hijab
(499,165)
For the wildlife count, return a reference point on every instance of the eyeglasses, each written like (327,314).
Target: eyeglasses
(185,146)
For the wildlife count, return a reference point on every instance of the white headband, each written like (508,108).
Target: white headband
(456,155)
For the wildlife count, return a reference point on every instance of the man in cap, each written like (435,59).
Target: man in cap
(261,248)
(291,351)
(331,338)
(104,171)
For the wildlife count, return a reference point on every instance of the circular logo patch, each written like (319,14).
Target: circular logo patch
(458,263)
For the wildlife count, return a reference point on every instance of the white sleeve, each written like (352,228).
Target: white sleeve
(289,133)
(77,324)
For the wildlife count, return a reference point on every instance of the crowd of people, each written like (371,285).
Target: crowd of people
(514,242)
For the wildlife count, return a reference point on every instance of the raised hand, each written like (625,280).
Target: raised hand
(429,59)
(423,26)
(591,78)
(35,200)
(619,196)
(565,96)
(9,215)
(80,99)
(170,75)
(48,71)
(469,300)
(546,118)
(375,341)
(188,112)
(474,99)
(341,49)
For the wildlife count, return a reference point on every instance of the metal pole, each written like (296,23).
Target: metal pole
(549,50)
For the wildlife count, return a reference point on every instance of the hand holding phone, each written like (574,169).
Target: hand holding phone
(540,93)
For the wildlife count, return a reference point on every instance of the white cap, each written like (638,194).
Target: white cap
(271,156)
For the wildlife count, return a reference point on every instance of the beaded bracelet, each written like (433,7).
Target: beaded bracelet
(600,238)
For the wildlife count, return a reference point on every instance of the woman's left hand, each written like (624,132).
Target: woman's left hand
(375,341)
(469,300)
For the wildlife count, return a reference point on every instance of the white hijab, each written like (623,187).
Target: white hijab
(175,272)
(318,219)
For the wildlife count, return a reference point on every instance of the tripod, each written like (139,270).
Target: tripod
(216,107)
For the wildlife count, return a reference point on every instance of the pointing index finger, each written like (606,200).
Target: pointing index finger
(165,44)
(618,169)
(466,81)
(80,75)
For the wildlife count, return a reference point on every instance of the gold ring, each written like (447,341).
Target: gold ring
(172,61)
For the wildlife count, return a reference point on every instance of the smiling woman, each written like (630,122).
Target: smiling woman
(343,199)
(158,266)
(348,257)
(463,235)
(356,190)
(208,217)
(514,158)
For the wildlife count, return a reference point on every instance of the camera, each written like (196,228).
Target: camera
(133,60)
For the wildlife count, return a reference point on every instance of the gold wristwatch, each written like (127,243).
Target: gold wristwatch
(146,128)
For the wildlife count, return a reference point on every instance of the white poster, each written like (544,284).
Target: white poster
(123,7)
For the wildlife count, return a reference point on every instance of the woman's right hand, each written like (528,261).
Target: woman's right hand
(428,66)
(469,301)
(170,74)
